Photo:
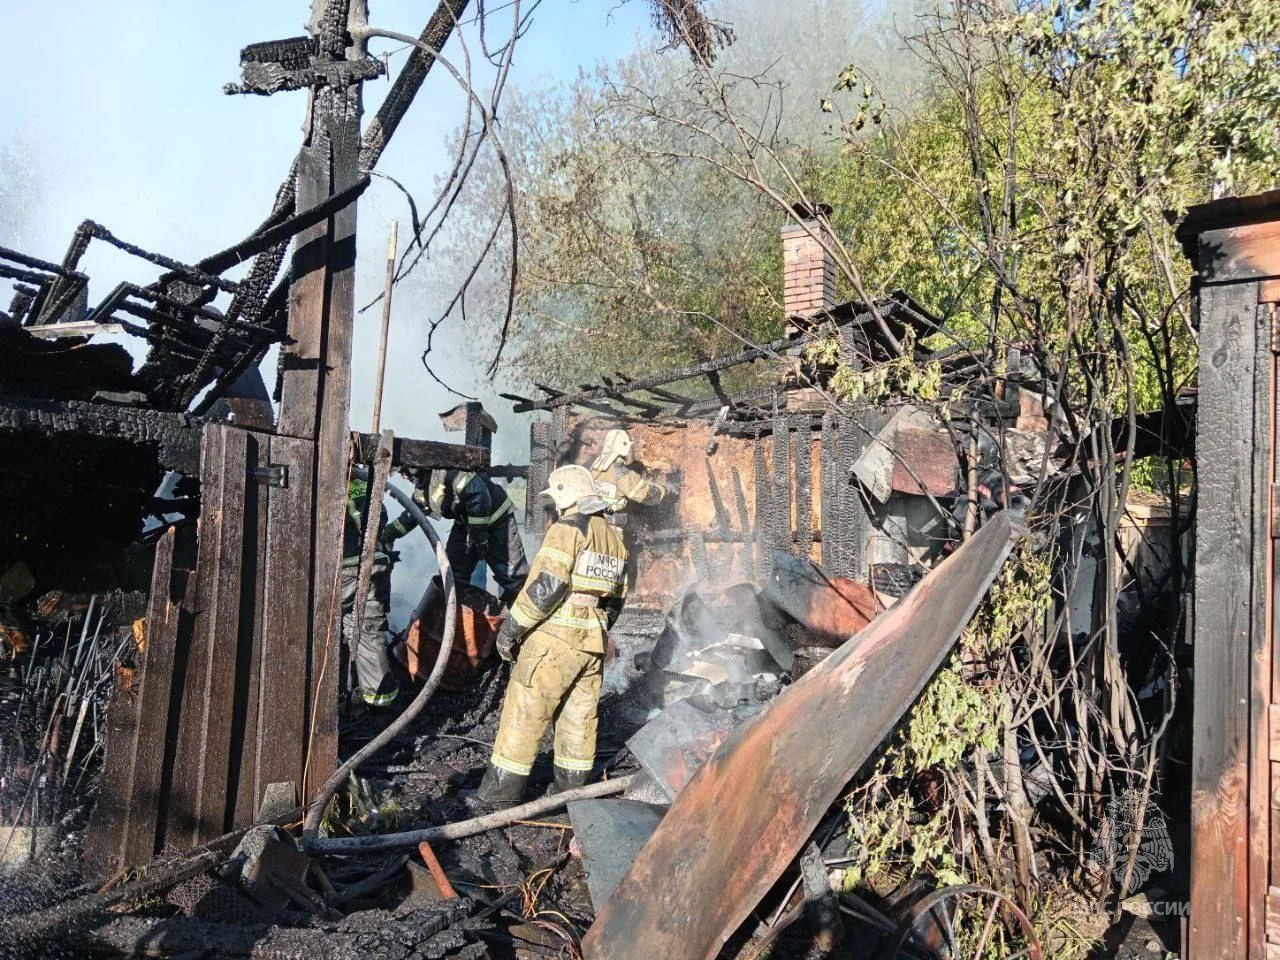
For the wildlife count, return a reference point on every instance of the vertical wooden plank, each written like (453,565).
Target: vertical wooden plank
(854,534)
(155,699)
(780,519)
(282,669)
(1260,653)
(217,633)
(109,828)
(185,796)
(746,561)
(300,386)
(1274,826)
(804,490)
(1220,739)
(332,451)
(832,535)
(242,773)
(764,491)
(557,444)
(1260,640)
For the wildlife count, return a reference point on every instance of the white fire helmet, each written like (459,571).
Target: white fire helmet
(616,446)
(567,485)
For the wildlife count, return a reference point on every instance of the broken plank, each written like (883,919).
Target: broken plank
(104,853)
(155,696)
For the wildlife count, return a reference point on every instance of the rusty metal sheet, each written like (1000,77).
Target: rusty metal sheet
(925,457)
(747,812)
(832,607)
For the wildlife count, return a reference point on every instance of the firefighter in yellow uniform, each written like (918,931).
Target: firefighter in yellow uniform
(560,620)
(619,485)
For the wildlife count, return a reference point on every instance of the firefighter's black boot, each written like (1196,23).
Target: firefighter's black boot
(501,788)
(568,779)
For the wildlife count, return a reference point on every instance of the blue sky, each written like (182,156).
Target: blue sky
(121,107)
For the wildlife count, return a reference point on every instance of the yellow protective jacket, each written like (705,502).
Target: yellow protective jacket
(620,486)
(577,583)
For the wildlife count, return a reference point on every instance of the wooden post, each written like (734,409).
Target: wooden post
(304,537)
(1236,246)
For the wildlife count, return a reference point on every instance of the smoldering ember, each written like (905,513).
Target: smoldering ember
(676,479)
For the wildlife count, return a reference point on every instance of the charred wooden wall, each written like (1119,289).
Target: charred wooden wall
(779,484)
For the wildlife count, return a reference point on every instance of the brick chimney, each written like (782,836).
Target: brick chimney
(809,271)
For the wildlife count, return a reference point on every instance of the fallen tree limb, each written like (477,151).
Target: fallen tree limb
(468,828)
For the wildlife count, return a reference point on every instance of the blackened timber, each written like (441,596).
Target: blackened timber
(829,495)
(804,490)
(191,273)
(644,383)
(36,263)
(242,786)
(763,488)
(559,435)
(780,518)
(407,83)
(424,454)
(284,231)
(540,465)
(1223,618)
(302,358)
(852,558)
(175,436)
(746,561)
(901,309)
(340,109)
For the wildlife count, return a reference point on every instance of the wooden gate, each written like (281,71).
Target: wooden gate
(220,705)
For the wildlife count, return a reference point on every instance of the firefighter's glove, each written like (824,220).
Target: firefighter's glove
(509,636)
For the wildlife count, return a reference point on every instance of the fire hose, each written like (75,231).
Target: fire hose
(315,810)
